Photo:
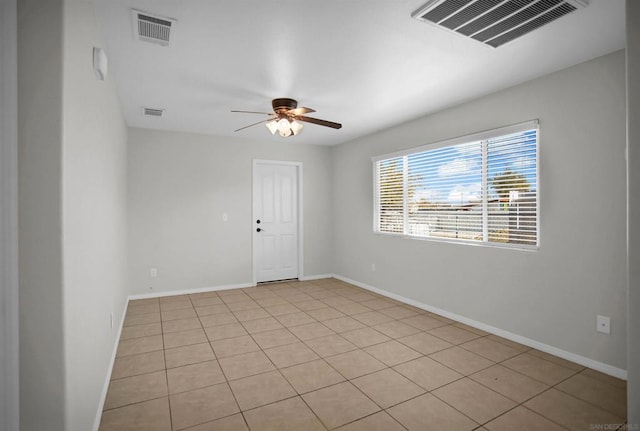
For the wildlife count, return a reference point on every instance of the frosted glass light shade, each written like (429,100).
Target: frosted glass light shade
(272,126)
(285,133)
(296,127)
(283,124)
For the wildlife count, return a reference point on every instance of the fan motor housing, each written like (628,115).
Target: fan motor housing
(283,104)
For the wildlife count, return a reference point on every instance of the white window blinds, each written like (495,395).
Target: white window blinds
(391,198)
(481,188)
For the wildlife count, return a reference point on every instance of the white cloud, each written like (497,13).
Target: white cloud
(464,194)
(457,167)
(523,163)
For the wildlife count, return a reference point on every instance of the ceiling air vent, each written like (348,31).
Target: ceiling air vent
(152,112)
(495,22)
(151,28)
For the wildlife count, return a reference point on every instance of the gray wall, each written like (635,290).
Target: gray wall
(633,178)
(42,371)
(94,216)
(180,184)
(552,295)
(72,230)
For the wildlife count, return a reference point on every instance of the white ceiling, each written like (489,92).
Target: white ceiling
(364,63)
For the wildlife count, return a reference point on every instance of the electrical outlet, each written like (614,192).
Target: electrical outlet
(604,324)
(225,217)
(153,272)
(373,267)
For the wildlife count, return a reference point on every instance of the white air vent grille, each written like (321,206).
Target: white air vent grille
(495,22)
(152,112)
(154,29)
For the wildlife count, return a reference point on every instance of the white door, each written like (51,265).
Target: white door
(275,221)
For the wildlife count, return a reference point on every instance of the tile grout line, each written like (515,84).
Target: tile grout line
(328,364)
(525,407)
(167,369)
(223,374)
(276,368)
(580,399)
(381,409)
(136,403)
(286,380)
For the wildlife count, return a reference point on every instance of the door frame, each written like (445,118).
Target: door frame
(9,321)
(298,166)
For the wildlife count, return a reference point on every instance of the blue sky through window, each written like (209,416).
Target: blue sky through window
(452,175)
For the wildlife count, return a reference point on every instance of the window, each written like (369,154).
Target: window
(481,188)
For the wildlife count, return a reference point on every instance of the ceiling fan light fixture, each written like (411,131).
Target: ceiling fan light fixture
(287,119)
(272,126)
(284,127)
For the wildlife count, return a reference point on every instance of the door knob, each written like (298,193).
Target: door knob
(258,230)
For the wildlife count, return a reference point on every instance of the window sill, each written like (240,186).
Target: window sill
(504,246)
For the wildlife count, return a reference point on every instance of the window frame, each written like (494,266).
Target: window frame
(474,137)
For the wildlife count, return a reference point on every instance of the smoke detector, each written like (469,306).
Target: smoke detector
(494,22)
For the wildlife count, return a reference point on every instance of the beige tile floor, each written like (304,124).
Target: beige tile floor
(324,354)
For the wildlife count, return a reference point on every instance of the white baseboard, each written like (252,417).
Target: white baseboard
(578,359)
(213,289)
(316,277)
(105,388)
(189,291)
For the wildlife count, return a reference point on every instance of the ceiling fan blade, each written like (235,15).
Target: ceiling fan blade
(254,112)
(254,124)
(301,111)
(319,122)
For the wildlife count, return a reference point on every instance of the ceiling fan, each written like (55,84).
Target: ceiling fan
(287,118)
